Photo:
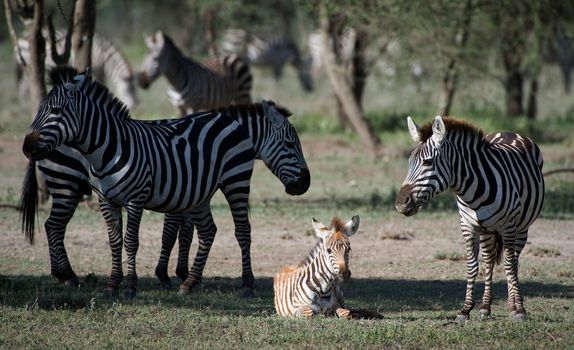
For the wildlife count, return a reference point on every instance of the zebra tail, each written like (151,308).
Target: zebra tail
(29,202)
(498,249)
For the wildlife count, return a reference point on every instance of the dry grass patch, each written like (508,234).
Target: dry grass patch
(543,252)
(398,236)
(451,256)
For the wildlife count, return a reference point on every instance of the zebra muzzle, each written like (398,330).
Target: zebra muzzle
(300,186)
(143,80)
(30,147)
(405,202)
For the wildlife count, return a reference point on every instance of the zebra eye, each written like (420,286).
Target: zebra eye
(55,110)
(329,250)
(428,161)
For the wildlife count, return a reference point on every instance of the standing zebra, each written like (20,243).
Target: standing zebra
(499,186)
(313,287)
(277,144)
(268,52)
(195,86)
(109,65)
(166,166)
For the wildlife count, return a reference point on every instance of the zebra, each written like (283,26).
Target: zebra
(499,188)
(195,86)
(109,65)
(277,144)
(167,166)
(314,287)
(66,173)
(273,52)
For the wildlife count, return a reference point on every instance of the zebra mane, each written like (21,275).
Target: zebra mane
(253,109)
(337,226)
(60,75)
(452,125)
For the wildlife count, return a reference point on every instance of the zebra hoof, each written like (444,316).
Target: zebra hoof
(460,318)
(484,314)
(130,293)
(247,293)
(165,285)
(518,316)
(110,292)
(72,283)
(183,291)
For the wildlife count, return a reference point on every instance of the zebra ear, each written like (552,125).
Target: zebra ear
(270,111)
(413,130)
(352,226)
(159,38)
(320,229)
(77,83)
(149,41)
(438,130)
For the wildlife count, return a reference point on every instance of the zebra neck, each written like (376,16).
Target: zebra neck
(468,156)
(178,72)
(320,277)
(255,126)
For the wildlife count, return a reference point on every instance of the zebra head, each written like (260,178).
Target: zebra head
(157,59)
(304,72)
(335,246)
(429,167)
(281,150)
(56,120)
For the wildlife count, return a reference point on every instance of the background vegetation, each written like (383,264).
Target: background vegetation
(412,270)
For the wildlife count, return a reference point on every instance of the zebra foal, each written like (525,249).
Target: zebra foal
(195,86)
(313,287)
(499,188)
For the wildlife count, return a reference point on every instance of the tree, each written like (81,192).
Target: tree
(84,26)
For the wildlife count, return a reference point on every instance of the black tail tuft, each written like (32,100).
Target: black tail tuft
(498,249)
(29,202)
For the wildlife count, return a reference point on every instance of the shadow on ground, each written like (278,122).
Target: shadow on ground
(221,295)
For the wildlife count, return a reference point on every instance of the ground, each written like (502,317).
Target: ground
(412,270)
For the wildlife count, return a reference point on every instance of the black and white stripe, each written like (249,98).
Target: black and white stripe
(272,52)
(167,166)
(109,65)
(500,190)
(314,287)
(195,86)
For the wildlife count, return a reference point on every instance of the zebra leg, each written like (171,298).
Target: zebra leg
(206,231)
(171,224)
(343,313)
(131,244)
(238,199)
(305,311)
(489,247)
(185,238)
(63,208)
(472,244)
(113,216)
(511,254)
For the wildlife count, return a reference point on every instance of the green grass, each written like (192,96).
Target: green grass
(36,313)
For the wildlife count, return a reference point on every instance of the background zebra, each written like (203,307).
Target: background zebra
(313,287)
(272,52)
(109,66)
(195,86)
(500,190)
(165,166)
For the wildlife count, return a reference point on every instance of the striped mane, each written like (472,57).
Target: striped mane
(60,75)
(336,226)
(253,109)
(453,126)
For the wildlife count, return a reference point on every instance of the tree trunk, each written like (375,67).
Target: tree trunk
(344,92)
(513,86)
(532,106)
(210,31)
(450,77)
(36,66)
(84,27)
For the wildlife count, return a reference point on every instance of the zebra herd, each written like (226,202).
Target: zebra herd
(83,139)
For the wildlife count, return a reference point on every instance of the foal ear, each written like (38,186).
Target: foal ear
(438,130)
(321,230)
(413,130)
(352,226)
